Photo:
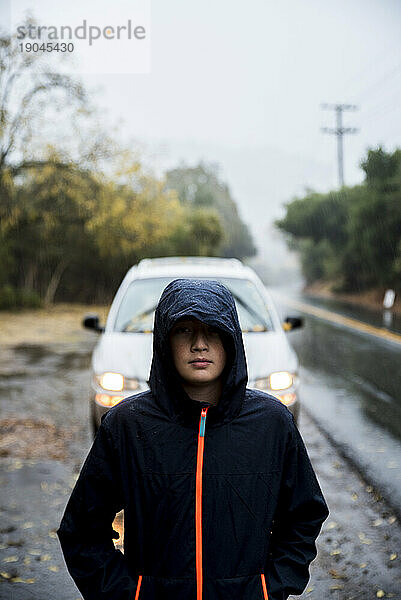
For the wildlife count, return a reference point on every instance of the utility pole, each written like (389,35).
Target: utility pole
(339,131)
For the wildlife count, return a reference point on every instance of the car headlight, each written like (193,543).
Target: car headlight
(108,400)
(278,385)
(115,382)
(280,380)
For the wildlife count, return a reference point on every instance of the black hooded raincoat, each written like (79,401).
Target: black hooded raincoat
(220,502)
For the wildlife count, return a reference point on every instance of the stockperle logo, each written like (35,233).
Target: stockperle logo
(85,31)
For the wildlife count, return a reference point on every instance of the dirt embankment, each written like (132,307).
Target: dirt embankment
(372,299)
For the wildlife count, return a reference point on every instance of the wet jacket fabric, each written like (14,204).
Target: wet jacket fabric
(222,505)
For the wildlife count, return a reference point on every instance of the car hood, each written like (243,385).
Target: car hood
(131,354)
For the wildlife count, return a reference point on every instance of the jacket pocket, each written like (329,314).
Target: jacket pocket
(265,596)
(138,587)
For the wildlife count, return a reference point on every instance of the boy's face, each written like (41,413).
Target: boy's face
(198,352)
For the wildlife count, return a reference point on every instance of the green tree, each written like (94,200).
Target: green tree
(352,237)
(198,233)
(318,217)
(200,187)
(374,233)
(85,229)
(381,167)
(49,233)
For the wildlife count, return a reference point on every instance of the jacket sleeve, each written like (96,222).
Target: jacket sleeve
(300,514)
(85,533)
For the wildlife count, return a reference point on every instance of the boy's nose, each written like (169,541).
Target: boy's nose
(199,341)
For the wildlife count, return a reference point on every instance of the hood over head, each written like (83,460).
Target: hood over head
(213,304)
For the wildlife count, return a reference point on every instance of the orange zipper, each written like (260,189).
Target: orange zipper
(198,504)
(138,587)
(266,597)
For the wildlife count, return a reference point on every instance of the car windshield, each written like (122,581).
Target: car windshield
(137,308)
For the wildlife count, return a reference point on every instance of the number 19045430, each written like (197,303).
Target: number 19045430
(46,47)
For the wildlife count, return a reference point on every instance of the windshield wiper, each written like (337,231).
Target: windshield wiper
(135,321)
(251,311)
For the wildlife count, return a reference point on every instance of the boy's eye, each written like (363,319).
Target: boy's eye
(188,329)
(213,330)
(182,329)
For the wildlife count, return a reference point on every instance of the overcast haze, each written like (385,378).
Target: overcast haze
(241,84)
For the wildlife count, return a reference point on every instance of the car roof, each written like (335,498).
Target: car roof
(189,266)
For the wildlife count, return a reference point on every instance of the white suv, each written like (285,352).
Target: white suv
(121,359)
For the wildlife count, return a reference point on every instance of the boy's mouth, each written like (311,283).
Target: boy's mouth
(200,360)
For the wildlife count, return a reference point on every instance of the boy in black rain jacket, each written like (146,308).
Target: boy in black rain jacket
(220,499)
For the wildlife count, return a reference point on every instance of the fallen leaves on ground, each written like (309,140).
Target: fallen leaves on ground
(21,580)
(337,586)
(377,522)
(336,575)
(29,438)
(45,557)
(364,539)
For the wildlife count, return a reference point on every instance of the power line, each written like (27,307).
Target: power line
(384,106)
(376,87)
(339,131)
(366,69)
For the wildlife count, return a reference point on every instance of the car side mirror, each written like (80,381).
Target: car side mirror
(92,322)
(291,323)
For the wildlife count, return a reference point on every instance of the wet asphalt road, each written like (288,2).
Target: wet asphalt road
(351,384)
(46,388)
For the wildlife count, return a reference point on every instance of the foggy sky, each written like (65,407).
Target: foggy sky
(241,84)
